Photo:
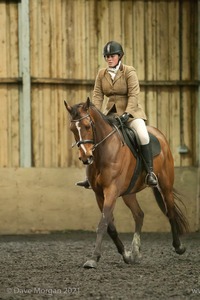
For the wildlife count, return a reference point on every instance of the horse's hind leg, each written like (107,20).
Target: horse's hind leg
(112,231)
(134,255)
(178,222)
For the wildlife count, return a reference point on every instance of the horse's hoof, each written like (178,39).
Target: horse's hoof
(90,264)
(126,259)
(138,258)
(130,258)
(180,250)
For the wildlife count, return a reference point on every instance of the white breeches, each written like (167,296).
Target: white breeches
(140,127)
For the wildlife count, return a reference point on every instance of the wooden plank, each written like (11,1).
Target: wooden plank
(9,126)
(186,47)
(79,37)
(195,135)
(3,40)
(35,37)
(63,139)
(162,67)
(173,61)
(163,110)
(149,67)
(103,32)
(45,39)
(88,82)
(12,37)
(162,40)
(91,62)
(53,55)
(150,55)
(10,80)
(55,59)
(127,36)
(47,117)
(151,106)
(4,149)
(187,159)
(69,58)
(138,46)
(13,125)
(36,119)
(174,122)
(173,74)
(53,127)
(114,21)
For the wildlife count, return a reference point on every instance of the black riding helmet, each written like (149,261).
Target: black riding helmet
(113,48)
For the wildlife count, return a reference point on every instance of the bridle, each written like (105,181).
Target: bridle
(80,142)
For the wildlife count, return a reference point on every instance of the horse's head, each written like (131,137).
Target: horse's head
(81,126)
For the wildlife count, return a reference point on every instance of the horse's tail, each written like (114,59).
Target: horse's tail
(180,219)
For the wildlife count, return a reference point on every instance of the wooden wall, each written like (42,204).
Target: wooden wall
(66,42)
(9,91)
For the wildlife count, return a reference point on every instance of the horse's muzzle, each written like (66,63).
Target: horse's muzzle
(88,161)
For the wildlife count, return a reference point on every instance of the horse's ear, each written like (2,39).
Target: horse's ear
(88,102)
(68,107)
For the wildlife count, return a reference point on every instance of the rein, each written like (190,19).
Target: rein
(96,145)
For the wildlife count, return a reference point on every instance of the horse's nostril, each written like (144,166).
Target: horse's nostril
(90,160)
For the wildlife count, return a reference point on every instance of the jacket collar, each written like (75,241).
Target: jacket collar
(118,75)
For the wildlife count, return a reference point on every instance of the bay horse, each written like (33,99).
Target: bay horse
(110,165)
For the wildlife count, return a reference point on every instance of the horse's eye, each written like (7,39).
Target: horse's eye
(87,127)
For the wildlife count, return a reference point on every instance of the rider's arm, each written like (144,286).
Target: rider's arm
(98,95)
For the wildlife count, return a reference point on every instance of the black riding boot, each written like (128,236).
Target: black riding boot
(151,178)
(84,183)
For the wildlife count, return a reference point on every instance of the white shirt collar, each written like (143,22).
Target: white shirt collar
(113,71)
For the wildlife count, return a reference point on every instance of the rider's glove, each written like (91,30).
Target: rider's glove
(124,118)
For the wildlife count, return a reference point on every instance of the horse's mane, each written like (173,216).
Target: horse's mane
(110,119)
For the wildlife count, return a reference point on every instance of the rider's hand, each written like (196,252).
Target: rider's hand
(124,118)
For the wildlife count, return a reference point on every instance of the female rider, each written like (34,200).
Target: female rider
(120,84)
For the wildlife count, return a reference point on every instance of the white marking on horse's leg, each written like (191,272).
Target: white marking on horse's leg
(136,245)
(134,255)
(80,137)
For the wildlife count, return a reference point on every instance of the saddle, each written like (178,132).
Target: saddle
(131,139)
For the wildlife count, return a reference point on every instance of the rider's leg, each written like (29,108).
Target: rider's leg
(139,126)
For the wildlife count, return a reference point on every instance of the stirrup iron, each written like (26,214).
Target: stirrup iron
(155,178)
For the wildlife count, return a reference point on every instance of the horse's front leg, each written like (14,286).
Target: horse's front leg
(134,255)
(106,218)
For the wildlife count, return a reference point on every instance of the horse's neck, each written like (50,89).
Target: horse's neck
(107,142)
(101,126)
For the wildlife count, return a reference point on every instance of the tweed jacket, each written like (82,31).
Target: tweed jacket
(122,92)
